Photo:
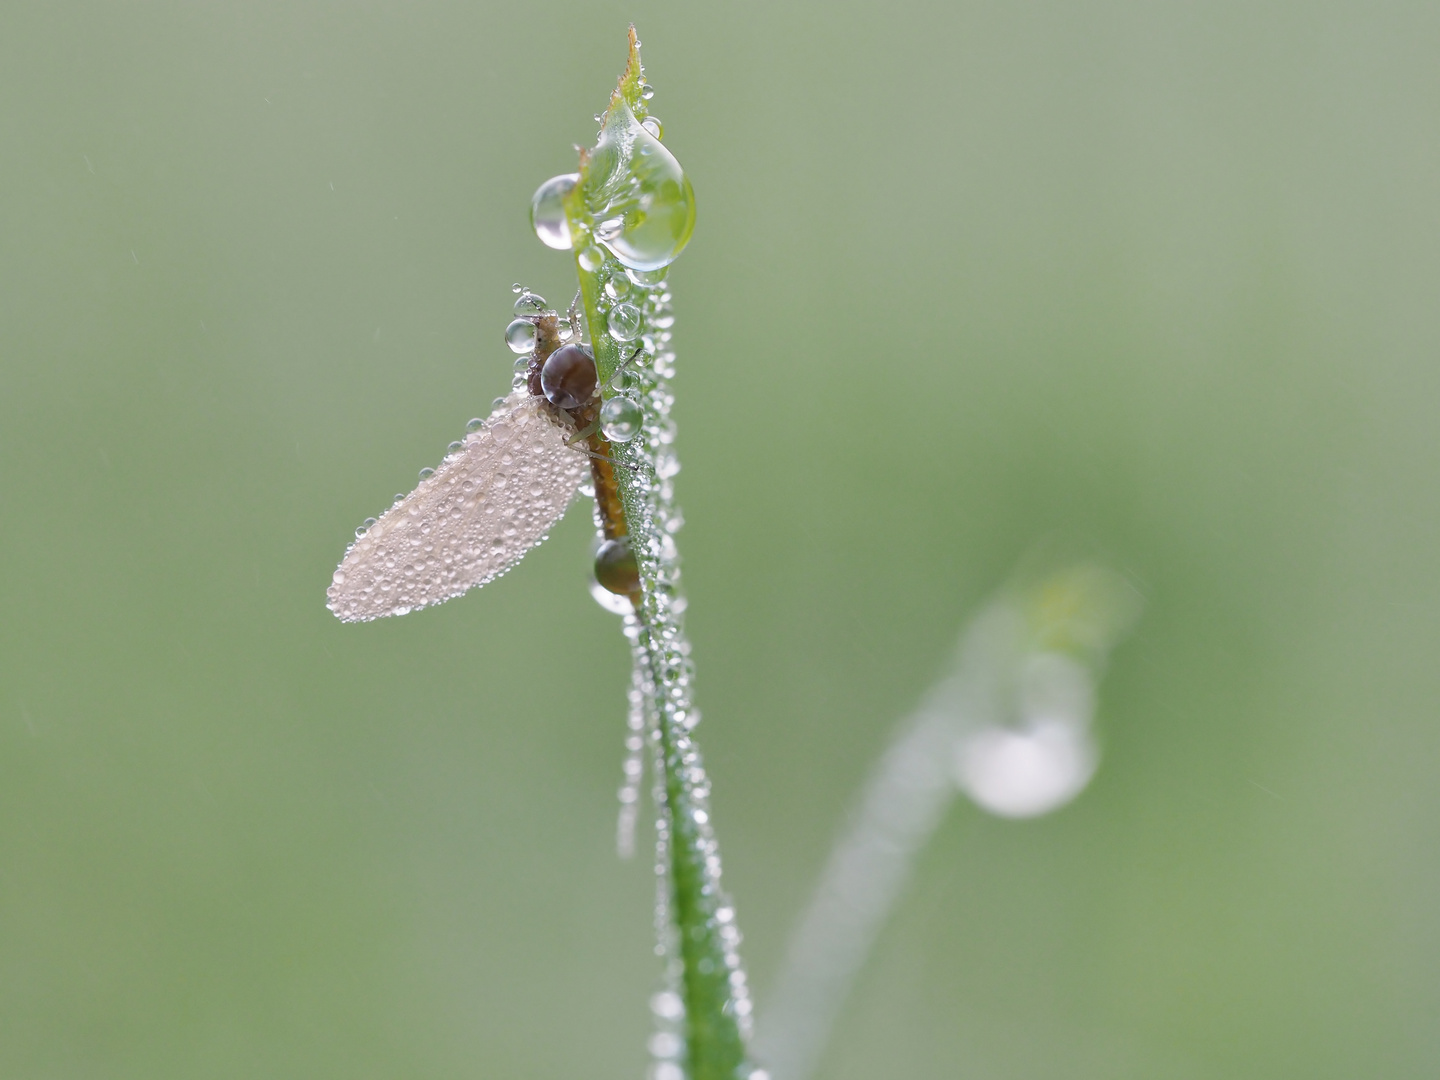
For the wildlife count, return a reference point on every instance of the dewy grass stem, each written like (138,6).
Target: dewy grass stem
(629,214)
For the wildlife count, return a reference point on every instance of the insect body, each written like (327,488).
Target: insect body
(495,496)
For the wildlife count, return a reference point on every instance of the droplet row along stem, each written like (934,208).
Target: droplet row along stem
(712,983)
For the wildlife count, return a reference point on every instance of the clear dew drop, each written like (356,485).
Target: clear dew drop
(454,447)
(620,419)
(646,279)
(529,303)
(520,336)
(591,259)
(624,322)
(653,125)
(617,288)
(426,473)
(547,211)
(476,423)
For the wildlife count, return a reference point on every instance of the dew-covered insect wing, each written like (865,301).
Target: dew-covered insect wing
(488,503)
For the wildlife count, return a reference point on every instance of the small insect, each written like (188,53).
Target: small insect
(499,491)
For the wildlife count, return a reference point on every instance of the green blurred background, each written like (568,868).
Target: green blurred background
(1159,279)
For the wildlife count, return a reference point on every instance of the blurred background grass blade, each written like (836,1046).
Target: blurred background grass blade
(1010,725)
(1163,277)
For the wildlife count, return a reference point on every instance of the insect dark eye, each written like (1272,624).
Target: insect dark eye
(615,567)
(568,377)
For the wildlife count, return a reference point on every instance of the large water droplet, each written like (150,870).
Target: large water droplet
(653,125)
(547,211)
(520,336)
(656,208)
(529,303)
(624,322)
(568,377)
(617,287)
(476,424)
(620,419)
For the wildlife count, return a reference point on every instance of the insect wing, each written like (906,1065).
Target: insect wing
(485,506)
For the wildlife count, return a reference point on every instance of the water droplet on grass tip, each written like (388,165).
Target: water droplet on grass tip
(547,211)
(624,322)
(620,419)
(656,210)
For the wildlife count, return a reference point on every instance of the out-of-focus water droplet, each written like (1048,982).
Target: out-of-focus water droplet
(529,303)
(615,567)
(620,419)
(655,208)
(591,259)
(653,125)
(667,1005)
(617,287)
(520,336)
(646,279)
(624,322)
(666,1044)
(547,211)
(475,424)
(426,473)
(1021,773)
